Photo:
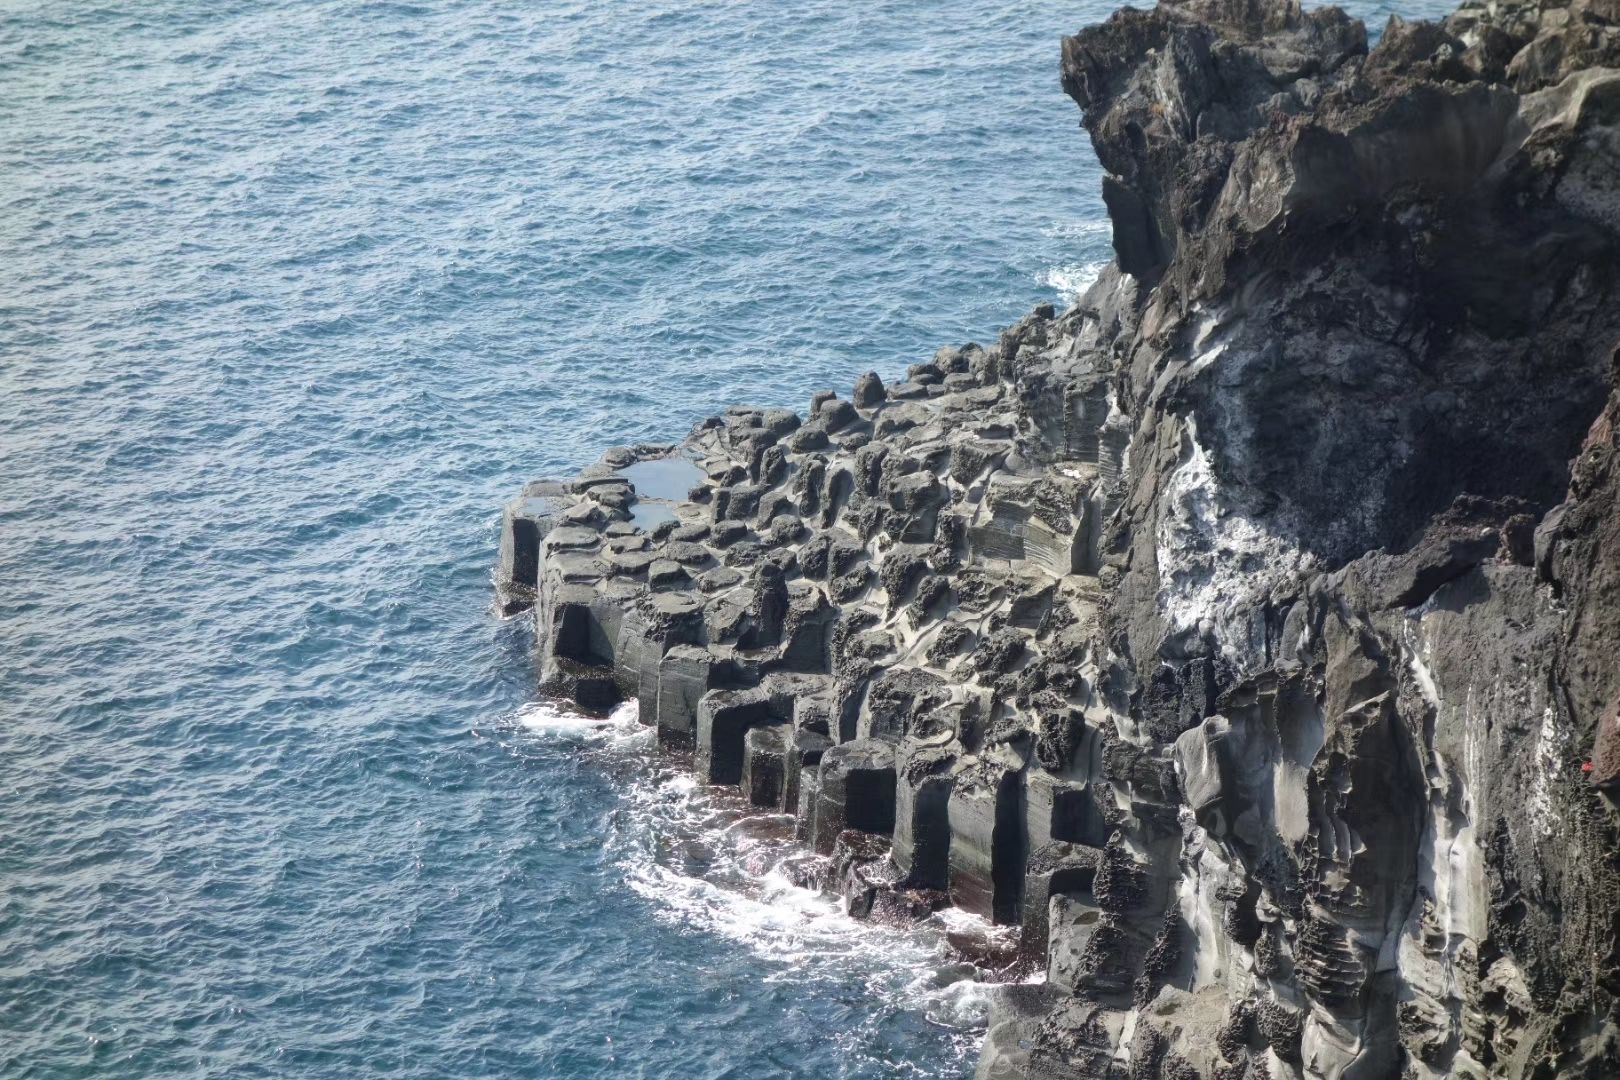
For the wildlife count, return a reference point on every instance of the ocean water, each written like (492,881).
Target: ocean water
(295,294)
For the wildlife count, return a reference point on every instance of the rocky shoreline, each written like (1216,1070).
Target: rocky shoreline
(1247,634)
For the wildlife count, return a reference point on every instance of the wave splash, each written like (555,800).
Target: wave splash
(1071,279)
(710,863)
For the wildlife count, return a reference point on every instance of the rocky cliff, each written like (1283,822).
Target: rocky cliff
(1248,633)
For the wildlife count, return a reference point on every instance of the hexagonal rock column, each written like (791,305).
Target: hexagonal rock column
(1002,535)
(855,789)
(986,862)
(562,626)
(683,678)
(804,751)
(525,521)
(723,720)
(590,687)
(918,498)
(653,626)
(1062,810)
(869,391)
(577,655)
(806,628)
(1070,922)
(1055,869)
(764,772)
(922,830)
(900,702)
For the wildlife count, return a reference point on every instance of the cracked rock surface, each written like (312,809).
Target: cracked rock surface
(1248,633)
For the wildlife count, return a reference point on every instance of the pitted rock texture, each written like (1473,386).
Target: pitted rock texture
(1248,633)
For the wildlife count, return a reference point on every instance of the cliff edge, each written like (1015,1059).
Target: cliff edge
(1248,634)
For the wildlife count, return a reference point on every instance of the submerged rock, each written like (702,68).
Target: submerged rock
(1246,633)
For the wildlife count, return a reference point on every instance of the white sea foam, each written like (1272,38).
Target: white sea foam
(1090,228)
(1071,279)
(711,864)
(557,720)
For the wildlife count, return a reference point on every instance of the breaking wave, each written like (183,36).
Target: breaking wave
(1071,279)
(710,864)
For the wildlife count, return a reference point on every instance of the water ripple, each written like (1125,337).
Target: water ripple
(297,292)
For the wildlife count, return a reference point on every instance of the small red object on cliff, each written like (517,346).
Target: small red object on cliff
(1603,768)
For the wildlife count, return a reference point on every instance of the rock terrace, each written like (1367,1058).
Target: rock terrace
(1245,634)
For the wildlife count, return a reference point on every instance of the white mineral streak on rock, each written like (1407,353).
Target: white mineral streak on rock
(1216,563)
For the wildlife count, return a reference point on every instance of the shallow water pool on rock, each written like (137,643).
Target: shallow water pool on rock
(658,482)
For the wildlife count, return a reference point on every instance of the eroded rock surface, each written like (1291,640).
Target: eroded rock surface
(1249,633)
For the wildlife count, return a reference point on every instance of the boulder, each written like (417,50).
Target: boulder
(868,392)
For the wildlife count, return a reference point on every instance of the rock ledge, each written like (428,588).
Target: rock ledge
(1246,634)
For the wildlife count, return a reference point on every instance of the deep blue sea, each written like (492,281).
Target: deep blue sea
(292,296)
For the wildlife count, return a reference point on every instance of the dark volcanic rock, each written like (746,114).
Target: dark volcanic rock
(1247,632)
(868,392)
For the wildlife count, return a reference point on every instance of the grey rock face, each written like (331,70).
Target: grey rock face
(1247,632)
(869,392)
(855,790)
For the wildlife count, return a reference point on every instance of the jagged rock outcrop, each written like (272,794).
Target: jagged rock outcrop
(1248,633)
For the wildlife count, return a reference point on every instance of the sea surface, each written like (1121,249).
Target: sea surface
(292,296)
